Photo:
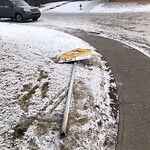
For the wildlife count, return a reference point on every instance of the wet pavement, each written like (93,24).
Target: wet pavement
(132,71)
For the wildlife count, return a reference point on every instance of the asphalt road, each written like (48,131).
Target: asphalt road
(132,74)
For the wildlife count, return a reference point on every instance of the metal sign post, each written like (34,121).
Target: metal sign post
(72,56)
(68,104)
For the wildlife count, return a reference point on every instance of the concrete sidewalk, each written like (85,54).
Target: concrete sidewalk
(132,73)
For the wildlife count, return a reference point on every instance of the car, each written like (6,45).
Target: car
(18,10)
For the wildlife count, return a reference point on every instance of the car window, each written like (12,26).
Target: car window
(2,2)
(19,3)
(7,3)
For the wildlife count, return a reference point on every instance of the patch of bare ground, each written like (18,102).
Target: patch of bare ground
(24,101)
(42,75)
(44,89)
(94,61)
(28,90)
(114,102)
(55,59)
(113,94)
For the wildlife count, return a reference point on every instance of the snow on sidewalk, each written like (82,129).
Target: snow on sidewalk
(34,88)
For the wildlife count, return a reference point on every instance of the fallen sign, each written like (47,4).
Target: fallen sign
(75,55)
(72,56)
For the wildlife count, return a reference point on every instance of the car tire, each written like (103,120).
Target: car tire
(18,18)
(35,19)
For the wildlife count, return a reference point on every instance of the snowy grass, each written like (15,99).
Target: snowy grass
(34,89)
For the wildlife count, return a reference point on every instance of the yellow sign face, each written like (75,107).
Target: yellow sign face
(78,52)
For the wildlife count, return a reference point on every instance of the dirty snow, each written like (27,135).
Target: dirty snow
(33,89)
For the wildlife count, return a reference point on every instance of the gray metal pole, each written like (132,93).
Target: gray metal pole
(68,104)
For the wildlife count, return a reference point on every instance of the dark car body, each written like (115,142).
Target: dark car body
(19,10)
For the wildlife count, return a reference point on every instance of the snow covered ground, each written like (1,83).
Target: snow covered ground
(33,91)
(54,5)
(33,85)
(126,22)
(96,6)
